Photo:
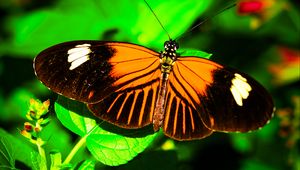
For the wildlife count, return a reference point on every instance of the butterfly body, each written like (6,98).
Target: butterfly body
(132,86)
(167,60)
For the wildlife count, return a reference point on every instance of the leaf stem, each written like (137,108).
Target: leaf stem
(78,145)
(41,151)
(75,149)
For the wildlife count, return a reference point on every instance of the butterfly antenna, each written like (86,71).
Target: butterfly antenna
(205,20)
(157,19)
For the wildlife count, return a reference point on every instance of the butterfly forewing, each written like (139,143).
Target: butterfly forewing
(236,102)
(88,71)
(225,99)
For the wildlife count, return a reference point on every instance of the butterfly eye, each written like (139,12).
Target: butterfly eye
(176,46)
(166,44)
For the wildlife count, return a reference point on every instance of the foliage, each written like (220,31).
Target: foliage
(263,43)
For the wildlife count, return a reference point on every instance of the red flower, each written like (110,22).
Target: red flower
(246,7)
(260,10)
(28,126)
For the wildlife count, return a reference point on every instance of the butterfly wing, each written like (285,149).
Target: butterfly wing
(223,98)
(132,104)
(109,76)
(182,121)
(131,108)
(88,71)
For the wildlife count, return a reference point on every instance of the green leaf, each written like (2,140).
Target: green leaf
(7,160)
(76,19)
(195,53)
(176,20)
(68,112)
(70,19)
(55,158)
(114,147)
(22,155)
(87,165)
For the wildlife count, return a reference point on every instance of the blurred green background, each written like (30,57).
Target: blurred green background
(263,43)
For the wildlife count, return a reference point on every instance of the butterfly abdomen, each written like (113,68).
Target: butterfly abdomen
(159,110)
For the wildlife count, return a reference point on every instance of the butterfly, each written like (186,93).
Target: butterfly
(132,86)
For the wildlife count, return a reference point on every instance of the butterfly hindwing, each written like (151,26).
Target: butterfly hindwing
(131,108)
(182,121)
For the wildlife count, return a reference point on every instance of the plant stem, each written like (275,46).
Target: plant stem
(75,149)
(43,163)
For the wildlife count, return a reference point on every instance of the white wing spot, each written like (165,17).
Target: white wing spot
(240,89)
(78,55)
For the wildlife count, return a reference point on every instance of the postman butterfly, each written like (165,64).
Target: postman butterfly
(132,86)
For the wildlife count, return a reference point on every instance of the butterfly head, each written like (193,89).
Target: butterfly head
(170,50)
(171,46)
